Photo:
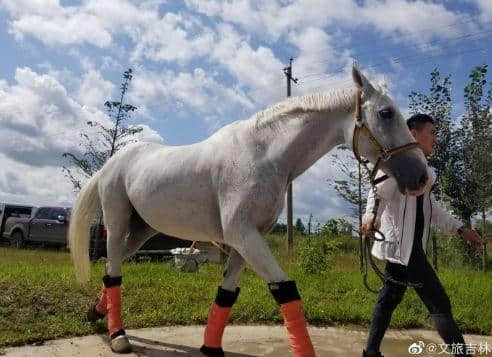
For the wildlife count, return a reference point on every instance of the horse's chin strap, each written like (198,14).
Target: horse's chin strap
(383,154)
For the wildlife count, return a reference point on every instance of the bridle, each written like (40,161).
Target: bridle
(383,156)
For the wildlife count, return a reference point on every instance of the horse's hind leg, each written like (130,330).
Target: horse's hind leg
(117,214)
(257,254)
(139,233)
(219,313)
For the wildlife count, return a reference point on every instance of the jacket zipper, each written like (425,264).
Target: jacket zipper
(430,218)
(403,225)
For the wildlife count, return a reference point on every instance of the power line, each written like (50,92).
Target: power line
(469,20)
(290,241)
(400,60)
(426,44)
(409,64)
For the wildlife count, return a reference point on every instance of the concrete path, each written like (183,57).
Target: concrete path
(245,341)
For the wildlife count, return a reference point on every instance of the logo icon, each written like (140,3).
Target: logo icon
(416,348)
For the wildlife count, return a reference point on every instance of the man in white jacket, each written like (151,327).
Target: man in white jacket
(405,222)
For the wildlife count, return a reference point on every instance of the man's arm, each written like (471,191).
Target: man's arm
(448,224)
(442,219)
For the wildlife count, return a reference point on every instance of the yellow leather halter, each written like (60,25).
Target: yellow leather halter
(384,154)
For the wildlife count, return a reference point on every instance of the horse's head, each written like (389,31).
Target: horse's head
(383,137)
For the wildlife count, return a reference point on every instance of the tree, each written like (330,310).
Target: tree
(345,227)
(97,150)
(348,188)
(299,226)
(438,105)
(467,178)
(476,135)
(330,228)
(279,228)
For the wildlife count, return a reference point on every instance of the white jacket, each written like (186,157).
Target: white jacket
(397,215)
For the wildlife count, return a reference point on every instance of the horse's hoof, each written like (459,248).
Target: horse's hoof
(212,351)
(93,315)
(120,344)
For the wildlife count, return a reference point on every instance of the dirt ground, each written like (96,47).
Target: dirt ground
(243,341)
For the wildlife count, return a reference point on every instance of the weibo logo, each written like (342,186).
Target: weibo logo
(416,348)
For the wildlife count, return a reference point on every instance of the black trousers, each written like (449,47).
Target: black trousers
(418,271)
(431,293)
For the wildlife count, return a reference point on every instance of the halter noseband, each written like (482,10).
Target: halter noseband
(384,154)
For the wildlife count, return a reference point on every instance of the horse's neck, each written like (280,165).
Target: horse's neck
(299,137)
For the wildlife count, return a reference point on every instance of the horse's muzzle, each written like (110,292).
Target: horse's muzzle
(410,173)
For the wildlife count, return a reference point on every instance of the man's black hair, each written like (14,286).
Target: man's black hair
(417,121)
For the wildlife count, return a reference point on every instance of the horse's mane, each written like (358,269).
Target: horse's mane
(324,101)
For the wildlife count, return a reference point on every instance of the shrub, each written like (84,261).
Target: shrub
(454,252)
(316,254)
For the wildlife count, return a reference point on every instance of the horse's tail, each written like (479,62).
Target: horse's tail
(86,207)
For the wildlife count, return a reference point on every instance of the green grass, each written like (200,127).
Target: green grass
(40,300)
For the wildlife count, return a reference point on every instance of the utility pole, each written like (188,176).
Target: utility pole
(290,241)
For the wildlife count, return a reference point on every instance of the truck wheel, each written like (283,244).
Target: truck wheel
(18,239)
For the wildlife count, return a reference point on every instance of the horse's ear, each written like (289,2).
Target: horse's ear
(361,81)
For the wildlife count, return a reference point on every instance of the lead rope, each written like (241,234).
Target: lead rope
(365,240)
(364,245)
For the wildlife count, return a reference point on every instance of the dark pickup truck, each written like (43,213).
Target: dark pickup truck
(20,225)
(47,225)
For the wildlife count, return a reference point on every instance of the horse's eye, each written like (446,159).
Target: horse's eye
(386,113)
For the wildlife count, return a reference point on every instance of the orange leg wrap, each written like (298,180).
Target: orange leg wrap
(115,322)
(102,306)
(217,321)
(295,323)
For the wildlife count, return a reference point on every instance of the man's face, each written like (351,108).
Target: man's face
(426,138)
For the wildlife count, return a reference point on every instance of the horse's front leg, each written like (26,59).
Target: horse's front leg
(221,308)
(257,254)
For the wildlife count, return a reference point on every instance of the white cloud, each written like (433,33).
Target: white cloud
(94,89)
(33,7)
(93,22)
(171,39)
(61,26)
(148,135)
(96,22)
(270,20)
(40,120)
(33,185)
(197,91)
(485,7)
(401,17)
(257,70)
(274,19)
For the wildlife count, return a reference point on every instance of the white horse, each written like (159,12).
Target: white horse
(230,188)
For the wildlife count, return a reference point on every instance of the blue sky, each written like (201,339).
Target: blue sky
(201,64)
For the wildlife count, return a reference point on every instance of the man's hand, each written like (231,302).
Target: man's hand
(367,225)
(473,237)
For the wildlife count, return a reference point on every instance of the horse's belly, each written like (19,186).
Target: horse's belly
(184,218)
